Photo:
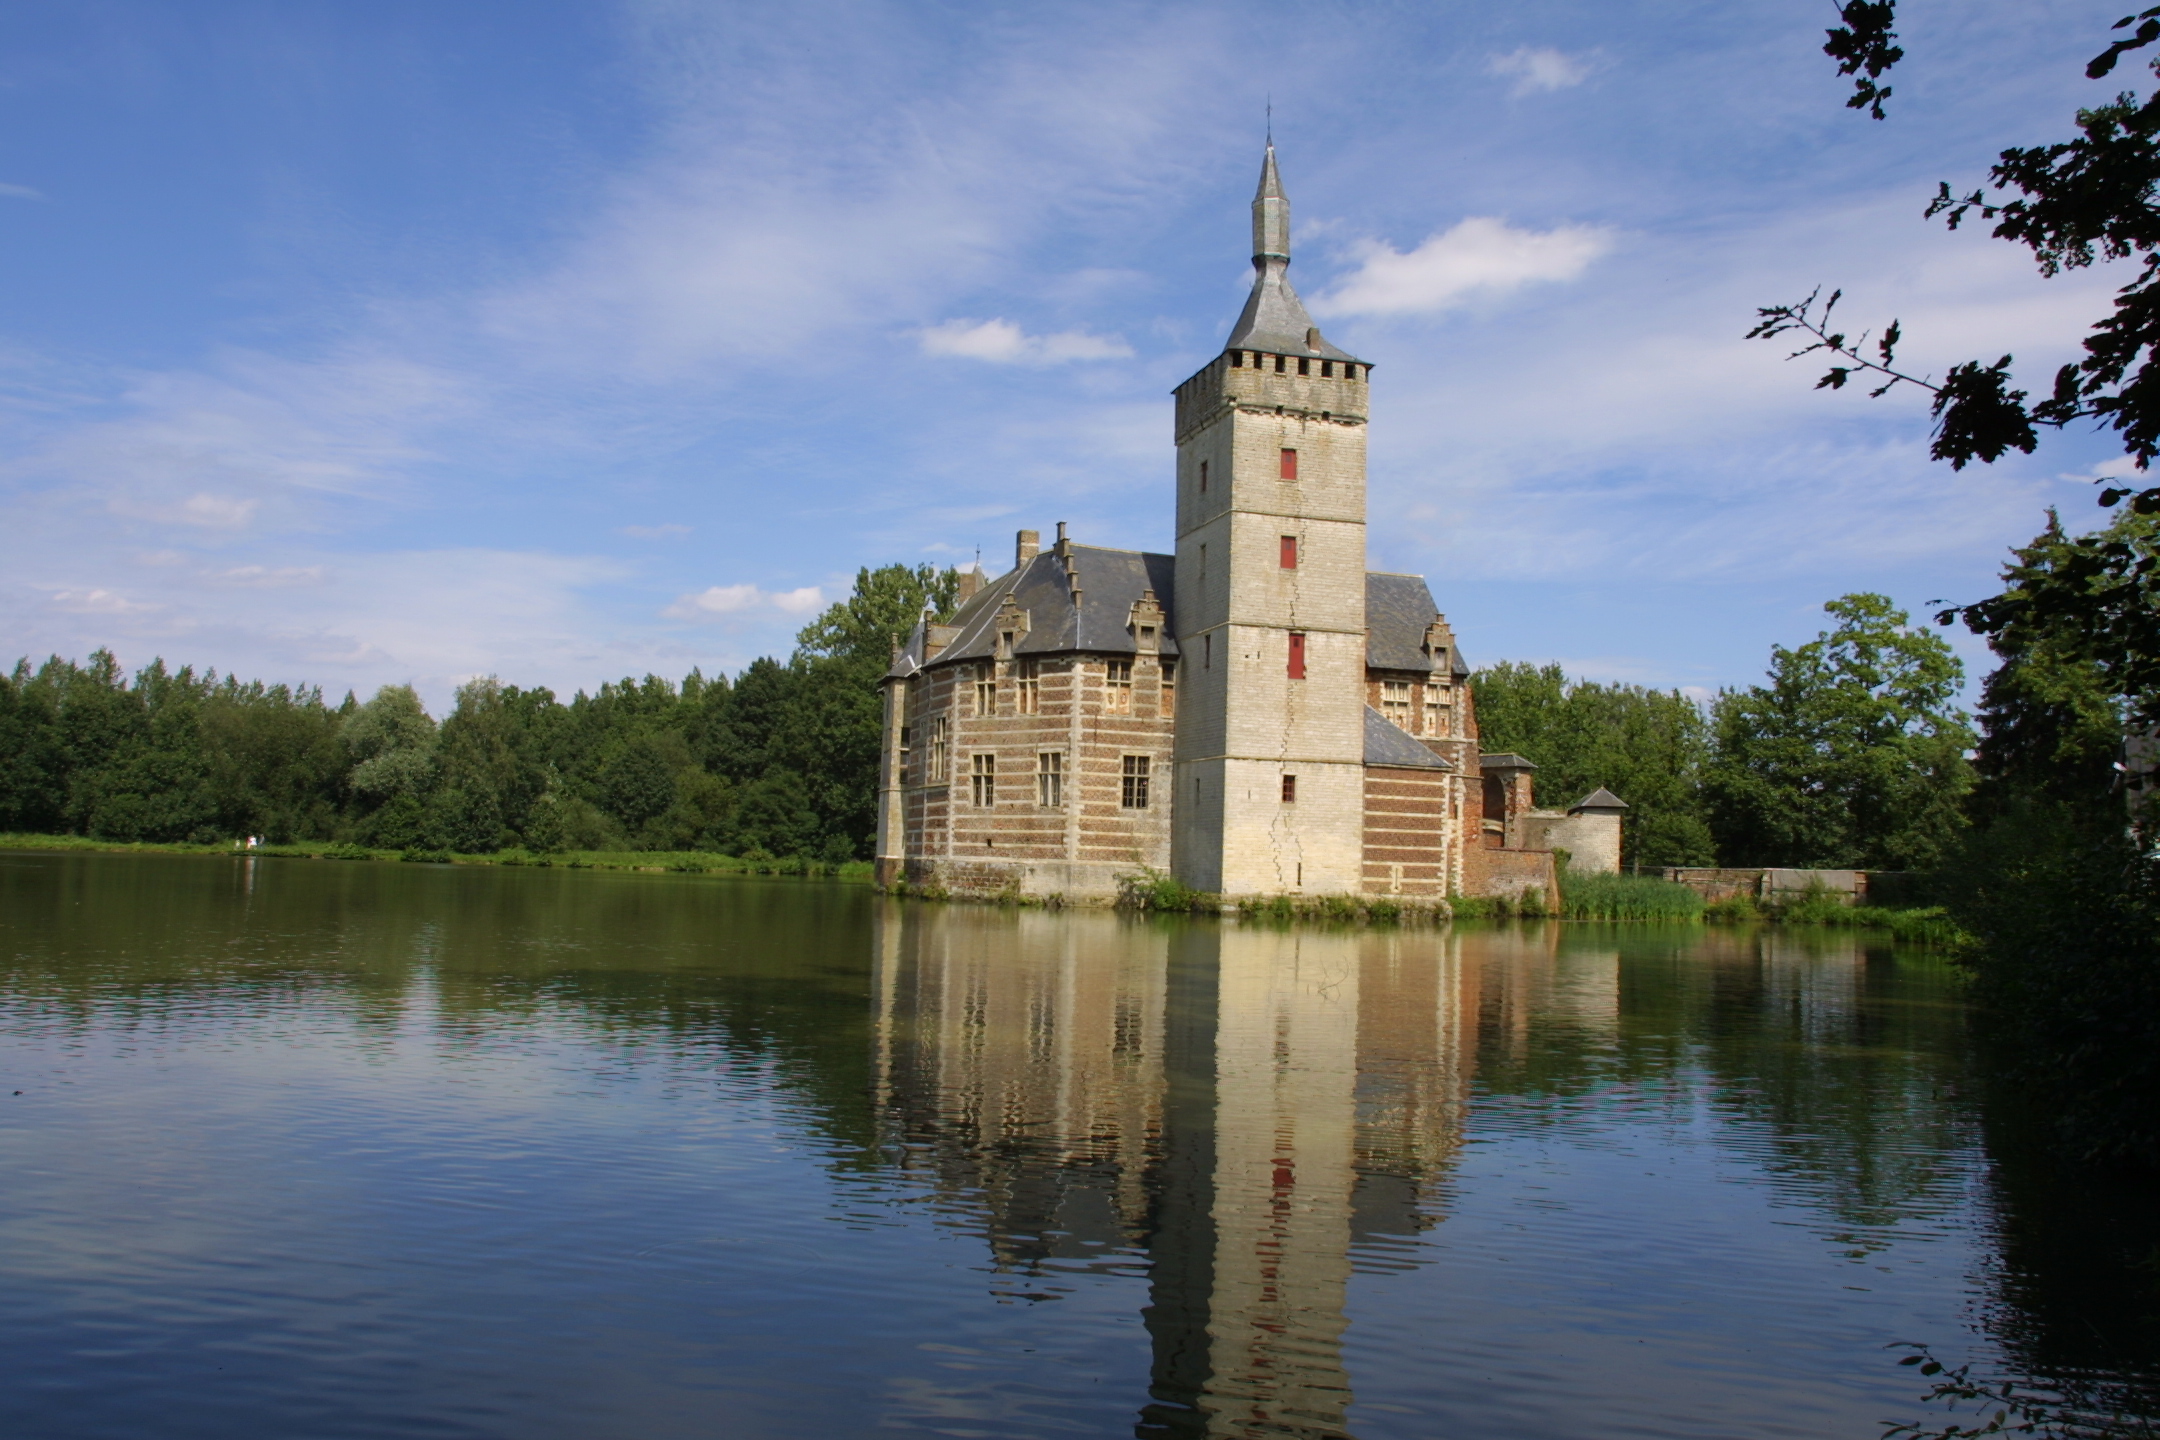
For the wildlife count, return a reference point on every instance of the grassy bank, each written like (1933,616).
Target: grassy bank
(679,861)
(1632,897)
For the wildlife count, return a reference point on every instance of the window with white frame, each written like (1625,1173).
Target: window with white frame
(1027,687)
(986,688)
(1117,692)
(1395,701)
(984,782)
(940,748)
(1050,778)
(1133,783)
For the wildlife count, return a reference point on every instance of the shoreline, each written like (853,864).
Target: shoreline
(1910,927)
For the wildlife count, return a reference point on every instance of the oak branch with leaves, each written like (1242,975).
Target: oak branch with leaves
(2071,203)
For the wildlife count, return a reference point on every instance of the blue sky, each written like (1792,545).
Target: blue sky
(365,343)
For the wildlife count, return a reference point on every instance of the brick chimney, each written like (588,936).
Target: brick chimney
(1026,544)
(971,580)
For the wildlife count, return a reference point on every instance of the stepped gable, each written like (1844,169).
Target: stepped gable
(1111,583)
(1387,743)
(1399,610)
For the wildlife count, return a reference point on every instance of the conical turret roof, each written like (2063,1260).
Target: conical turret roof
(1274,319)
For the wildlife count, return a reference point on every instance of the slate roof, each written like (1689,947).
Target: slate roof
(1504,760)
(1387,743)
(1110,582)
(1598,799)
(1274,318)
(1398,611)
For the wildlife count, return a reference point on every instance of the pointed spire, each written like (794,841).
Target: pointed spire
(1270,216)
(1274,318)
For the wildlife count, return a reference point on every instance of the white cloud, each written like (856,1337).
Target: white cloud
(1003,343)
(20,192)
(96,602)
(267,577)
(1482,254)
(721,600)
(1538,69)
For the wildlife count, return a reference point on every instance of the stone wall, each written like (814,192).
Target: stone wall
(1592,841)
(1510,873)
(1248,724)
(1769,884)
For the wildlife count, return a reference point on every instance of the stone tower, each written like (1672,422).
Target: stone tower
(1270,605)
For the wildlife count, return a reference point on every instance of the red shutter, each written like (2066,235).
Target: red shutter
(1289,552)
(1289,464)
(1297,655)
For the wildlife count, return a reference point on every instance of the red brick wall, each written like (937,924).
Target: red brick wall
(1072,719)
(1406,831)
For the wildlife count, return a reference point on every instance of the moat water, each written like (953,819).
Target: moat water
(316,1149)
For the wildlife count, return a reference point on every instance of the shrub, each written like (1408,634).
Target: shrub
(1152,889)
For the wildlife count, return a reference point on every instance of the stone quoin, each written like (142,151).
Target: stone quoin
(1257,714)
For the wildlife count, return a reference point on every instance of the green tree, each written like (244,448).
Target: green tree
(2055,882)
(33,775)
(2070,203)
(637,784)
(835,715)
(274,760)
(1852,755)
(1650,747)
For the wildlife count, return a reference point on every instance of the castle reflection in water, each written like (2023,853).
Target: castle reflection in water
(1245,1105)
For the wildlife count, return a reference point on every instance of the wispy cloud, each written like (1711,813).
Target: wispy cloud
(1003,343)
(1537,69)
(20,192)
(654,532)
(211,512)
(267,577)
(96,601)
(719,601)
(1479,256)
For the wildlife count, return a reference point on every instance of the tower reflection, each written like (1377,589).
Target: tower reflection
(1247,1107)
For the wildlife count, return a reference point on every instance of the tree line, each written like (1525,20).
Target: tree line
(781,758)
(1852,754)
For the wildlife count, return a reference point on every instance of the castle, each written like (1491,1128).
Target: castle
(1257,715)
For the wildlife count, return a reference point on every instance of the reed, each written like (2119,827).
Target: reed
(1626,897)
